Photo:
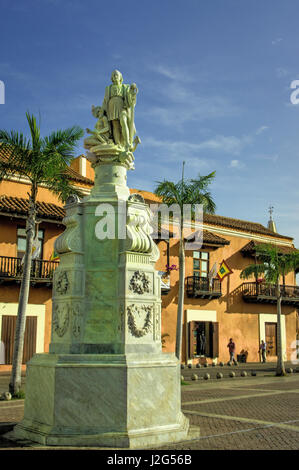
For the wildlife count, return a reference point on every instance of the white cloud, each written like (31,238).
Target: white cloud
(236,164)
(184,107)
(196,153)
(276,41)
(262,129)
(170,72)
(184,100)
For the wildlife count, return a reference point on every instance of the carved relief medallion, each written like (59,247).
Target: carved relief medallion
(62,283)
(139,283)
(139,319)
(61,319)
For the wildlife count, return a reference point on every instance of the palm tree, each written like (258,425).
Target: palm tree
(42,161)
(273,264)
(192,192)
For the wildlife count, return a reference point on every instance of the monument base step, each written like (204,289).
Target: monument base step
(126,401)
(140,439)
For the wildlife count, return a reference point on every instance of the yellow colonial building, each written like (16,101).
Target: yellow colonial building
(214,311)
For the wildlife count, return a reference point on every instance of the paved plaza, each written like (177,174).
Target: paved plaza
(240,413)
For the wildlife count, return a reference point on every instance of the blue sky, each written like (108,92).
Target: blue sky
(214,88)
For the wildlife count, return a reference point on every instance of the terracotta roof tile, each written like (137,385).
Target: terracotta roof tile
(218,220)
(210,239)
(249,248)
(244,225)
(20,206)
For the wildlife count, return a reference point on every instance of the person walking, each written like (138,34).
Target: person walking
(263,350)
(231,349)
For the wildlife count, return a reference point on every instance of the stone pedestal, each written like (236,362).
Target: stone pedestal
(105,381)
(127,401)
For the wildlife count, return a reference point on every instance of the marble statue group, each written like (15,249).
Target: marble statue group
(115,128)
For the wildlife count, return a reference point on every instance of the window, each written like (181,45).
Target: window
(200,263)
(21,242)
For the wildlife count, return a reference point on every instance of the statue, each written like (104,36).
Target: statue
(202,344)
(114,132)
(119,103)
(102,131)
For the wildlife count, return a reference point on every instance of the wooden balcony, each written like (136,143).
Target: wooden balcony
(265,293)
(11,270)
(199,287)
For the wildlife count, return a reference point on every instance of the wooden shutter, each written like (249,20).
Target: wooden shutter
(8,336)
(271,339)
(191,326)
(29,339)
(215,339)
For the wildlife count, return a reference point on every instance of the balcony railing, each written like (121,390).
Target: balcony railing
(11,269)
(265,293)
(200,287)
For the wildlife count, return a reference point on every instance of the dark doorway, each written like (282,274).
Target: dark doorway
(203,339)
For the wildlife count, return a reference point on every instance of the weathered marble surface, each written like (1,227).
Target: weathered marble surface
(129,401)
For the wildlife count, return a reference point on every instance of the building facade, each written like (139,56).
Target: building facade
(13,213)
(213,312)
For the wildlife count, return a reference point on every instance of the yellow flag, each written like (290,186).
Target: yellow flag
(223,271)
(54,256)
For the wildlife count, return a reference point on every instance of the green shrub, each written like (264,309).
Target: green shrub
(20,395)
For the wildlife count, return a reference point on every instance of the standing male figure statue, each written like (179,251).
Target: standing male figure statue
(118,104)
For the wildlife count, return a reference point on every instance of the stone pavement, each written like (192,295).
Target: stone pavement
(241,413)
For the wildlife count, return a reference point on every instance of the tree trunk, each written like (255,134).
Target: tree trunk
(15,380)
(179,329)
(280,370)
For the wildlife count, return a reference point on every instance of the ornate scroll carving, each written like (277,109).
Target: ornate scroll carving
(70,239)
(139,229)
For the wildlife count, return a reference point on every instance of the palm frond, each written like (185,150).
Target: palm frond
(42,160)
(272,263)
(189,192)
(169,192)
(35,132)
(19,150)
(253,270)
